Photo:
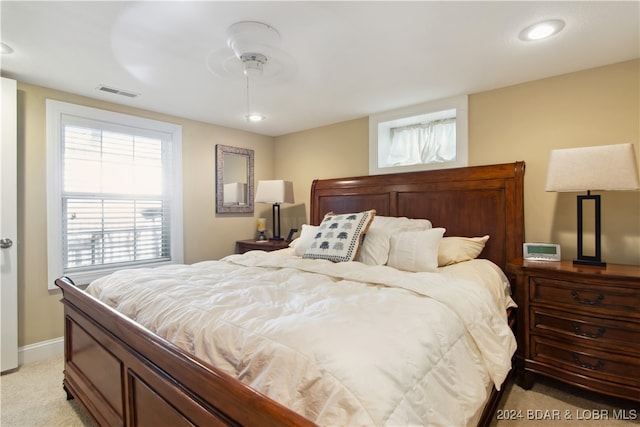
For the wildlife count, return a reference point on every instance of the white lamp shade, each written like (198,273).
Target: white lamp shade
(274,192)
(606,167)
(234,193)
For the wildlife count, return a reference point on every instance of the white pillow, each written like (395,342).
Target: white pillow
(375,246)
(339,237)
(458,249)
(303,242)
(400,223)
(415,250)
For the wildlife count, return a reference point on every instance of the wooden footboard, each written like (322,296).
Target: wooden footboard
(125,375)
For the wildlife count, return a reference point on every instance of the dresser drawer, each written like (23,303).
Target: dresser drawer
(579,324)
(603,365)
(600,298)
(597,332)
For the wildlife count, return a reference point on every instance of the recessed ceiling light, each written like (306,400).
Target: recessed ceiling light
(542,30)
(5,48)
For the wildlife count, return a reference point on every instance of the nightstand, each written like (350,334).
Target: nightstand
(579,325)
(243,246)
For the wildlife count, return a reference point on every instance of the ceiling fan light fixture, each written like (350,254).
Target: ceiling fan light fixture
(542,30)
(253,64)
(247,39)
(255,117)
(251,117)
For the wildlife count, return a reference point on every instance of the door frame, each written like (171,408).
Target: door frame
(9,227)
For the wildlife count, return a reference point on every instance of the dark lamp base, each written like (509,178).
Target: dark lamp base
(589,262)
(276,238)
(583,259)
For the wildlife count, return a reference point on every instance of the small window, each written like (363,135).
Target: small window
(421,137)
(114,194)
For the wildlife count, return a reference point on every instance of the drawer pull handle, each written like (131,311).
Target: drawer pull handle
(597,366)
(577,298)
(578,330)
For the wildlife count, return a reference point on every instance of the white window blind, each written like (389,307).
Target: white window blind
(113,203)
(114,185)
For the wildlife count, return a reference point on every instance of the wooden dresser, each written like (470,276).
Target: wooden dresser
(580,325)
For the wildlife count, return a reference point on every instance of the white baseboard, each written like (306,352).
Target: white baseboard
(40,351)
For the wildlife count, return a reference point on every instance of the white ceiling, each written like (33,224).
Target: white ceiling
(344,60)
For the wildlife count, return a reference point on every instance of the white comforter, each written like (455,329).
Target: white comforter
(341,344)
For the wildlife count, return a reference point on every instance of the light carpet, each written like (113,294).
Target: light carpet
(33,396)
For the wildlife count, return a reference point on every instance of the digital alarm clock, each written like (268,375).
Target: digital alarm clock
(541,252)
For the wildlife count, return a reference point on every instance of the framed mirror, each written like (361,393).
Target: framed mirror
(234,179)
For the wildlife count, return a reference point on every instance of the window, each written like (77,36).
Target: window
(114,196)
(421,137)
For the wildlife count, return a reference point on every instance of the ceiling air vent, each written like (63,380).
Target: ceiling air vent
(108,89)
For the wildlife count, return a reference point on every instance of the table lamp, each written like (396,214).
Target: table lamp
(275,192)
(606,168)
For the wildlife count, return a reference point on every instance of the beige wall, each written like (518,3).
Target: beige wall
(600,106)
(328,152)
(206,234)
(523,122)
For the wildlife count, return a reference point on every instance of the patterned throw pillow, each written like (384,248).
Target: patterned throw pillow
(339,237)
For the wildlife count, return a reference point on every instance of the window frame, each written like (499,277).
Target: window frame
(55,112)
(381,123)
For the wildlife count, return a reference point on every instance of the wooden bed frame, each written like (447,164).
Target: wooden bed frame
(123,374)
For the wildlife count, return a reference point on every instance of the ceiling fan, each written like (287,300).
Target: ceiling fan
(254,45)
(252,49)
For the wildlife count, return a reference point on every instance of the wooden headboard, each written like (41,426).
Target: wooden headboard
(471,201)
